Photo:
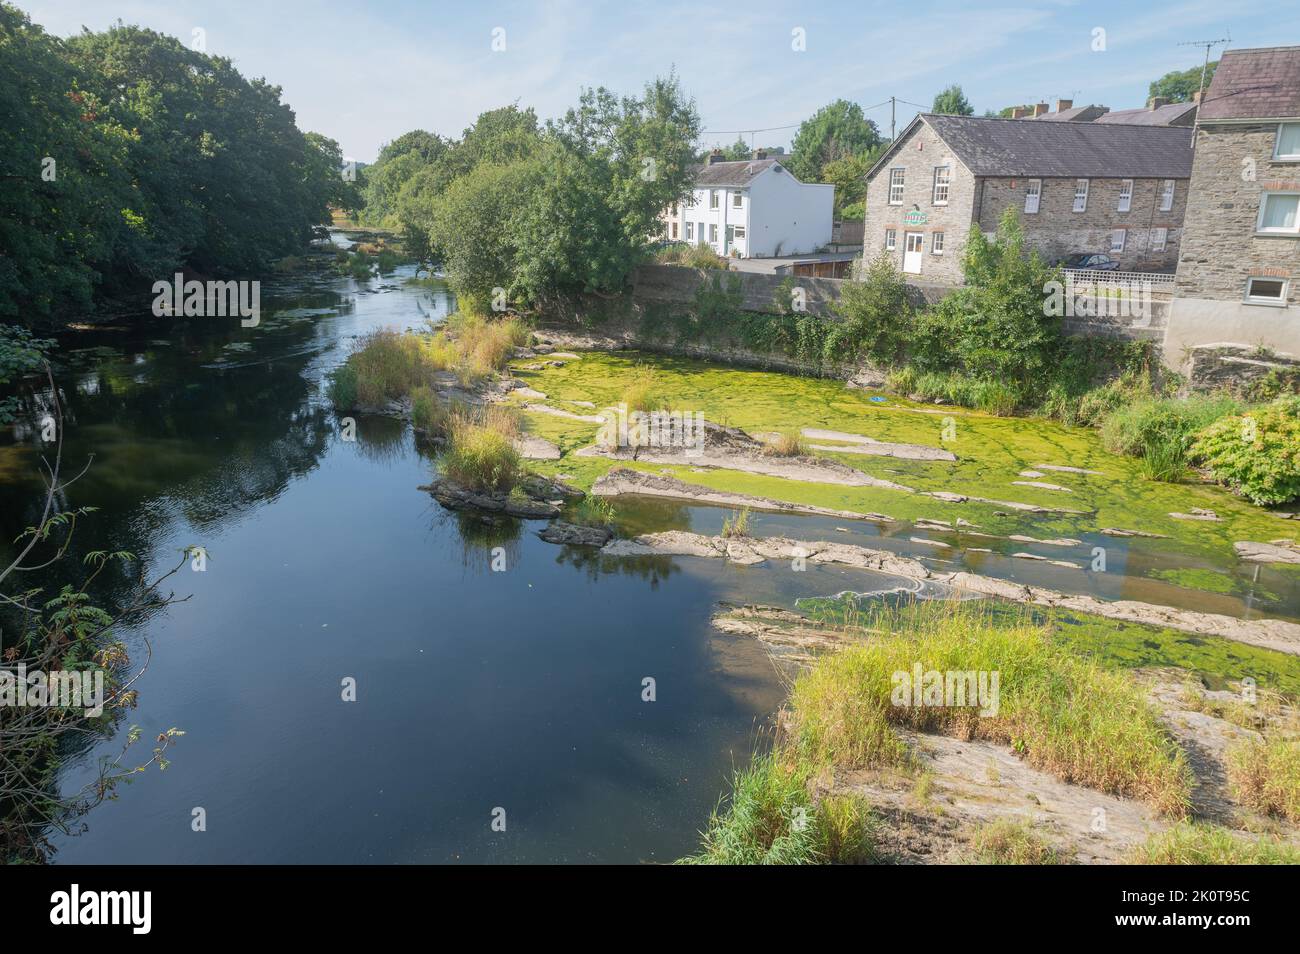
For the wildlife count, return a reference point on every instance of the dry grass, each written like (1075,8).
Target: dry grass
(737,525)
(1190,844)
(641,393)
(1063,714)
(480,452)
(1004,842)
(1265,775)
(787,444)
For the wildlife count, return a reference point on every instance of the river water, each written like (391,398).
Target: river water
(477,690)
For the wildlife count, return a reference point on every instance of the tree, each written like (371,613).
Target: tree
(833,132)
(875,317)
(952,101)
(849,176)
(1178,86)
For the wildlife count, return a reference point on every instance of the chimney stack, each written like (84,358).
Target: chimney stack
(1039,109)
(760,153)
(1063,104)
(1196,97)
(1019,112)
(1155,102)
(715,156)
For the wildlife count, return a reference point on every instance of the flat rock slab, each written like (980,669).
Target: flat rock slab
(1267,552)
(536,448)
(868,445)
(1064,469)
(624,480)
(572,534)
(560,412)
(1041,485)
(1209,516)
(1119,532)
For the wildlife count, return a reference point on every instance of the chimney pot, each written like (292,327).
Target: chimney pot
(1040,108)
(1063,104)
(1019,112)
(715,156)
(760,153)
(1155,102)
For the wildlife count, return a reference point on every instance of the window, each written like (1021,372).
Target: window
(737,200)
(1080,195)
(1167,196)
(674,230)
(1125,195)
(1033,190)
(1277,213)
(896,186)
(941,177)
(891,240)
(690,231)
(936,243)
(713,198)
(1117,240)
(1159,237)
(713,233)
(740,232)
(1266,291)
(1288,142)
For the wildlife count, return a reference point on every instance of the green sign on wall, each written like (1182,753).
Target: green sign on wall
(915,217)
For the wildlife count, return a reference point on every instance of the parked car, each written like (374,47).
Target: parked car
(1103,262)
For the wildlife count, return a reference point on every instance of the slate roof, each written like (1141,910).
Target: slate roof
(734,174)
(1062,115)
(1013,147)
(1160,116)
(1255,84)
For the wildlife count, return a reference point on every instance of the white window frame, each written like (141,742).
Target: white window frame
(1263,203)
(738,233)
(1123,240)
(1125,195)
(1159,238)
(690,231)
(936,243)
(1278,155)
(713,233)
(1080,195)
(714,198)
(899,173)
(1033,190)
(891,240)
(737,200)
(1272,302)
(1167,189)
(945,183)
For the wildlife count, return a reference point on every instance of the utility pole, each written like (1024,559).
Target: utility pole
(891,118)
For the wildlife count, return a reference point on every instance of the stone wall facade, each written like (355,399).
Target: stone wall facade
(1233,168)
(1057,231)
(920,152)
(676,284)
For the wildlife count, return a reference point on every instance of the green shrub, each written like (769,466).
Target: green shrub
(875,317)
(341,387)
(1161,430)
(1192,844)
(427,412)
(480,452)
(690,256)
(1257,454)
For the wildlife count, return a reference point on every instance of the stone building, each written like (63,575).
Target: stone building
(1080,187)
(1240,255)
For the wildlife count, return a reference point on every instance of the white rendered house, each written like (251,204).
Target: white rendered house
(753,209)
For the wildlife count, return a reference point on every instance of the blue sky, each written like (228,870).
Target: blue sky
(365,73)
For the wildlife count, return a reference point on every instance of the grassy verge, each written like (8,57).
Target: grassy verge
(1265,775)
(1005,842)
(1190,844)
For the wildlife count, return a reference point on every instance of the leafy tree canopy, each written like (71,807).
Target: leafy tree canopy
(833,132)
(953,102)
(1178,86)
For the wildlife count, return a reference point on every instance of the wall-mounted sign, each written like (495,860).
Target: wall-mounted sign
(915,217)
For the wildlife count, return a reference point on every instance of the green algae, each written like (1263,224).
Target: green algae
(991,452)
(1220,663)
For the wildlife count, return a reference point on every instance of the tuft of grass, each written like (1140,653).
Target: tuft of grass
(1265,775)
(690,256)
(389,365)
(1004,842)
(341,387)
(737,525)
(787,444)
(1195,844)
(428,414)
(641,393)
(1066,715)
(1160,430)
(480,452)
(770,819)
(593,511)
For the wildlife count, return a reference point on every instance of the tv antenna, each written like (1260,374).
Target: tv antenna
(1205,67)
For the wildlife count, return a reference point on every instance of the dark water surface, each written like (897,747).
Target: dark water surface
(477,690)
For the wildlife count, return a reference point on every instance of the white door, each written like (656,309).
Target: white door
(913,243)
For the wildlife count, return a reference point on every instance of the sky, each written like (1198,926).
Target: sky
(363,73)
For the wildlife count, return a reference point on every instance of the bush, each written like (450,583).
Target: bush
(480,452)
(690,256)
(341,387)
(428,414)
(875,317)
(388,365)
(1161,430)
(1257,454)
